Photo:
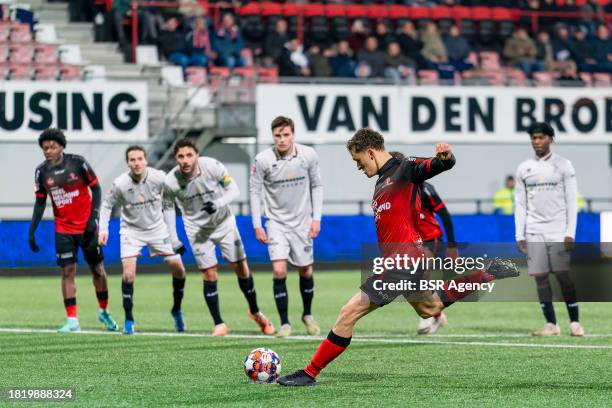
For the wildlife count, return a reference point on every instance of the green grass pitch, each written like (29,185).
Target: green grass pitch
(483,357)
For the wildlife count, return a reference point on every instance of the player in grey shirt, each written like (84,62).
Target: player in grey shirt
(287,178)
(139,194)
(203,189)
(545,221)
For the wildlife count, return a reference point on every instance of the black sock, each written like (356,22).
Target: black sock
(178,286)
(211,296)
(282,299)
(307,291)
(569,295)
(247,286)
(545,296)
(127,290)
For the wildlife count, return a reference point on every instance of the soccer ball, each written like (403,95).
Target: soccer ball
(262,365)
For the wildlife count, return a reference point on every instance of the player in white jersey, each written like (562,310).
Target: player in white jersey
(545,220)
(139,193)
(287,178)
(202,189)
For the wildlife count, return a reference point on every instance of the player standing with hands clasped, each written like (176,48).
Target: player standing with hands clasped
(289,177)
(203,190)
(545,219)
(68,178)
(139,193)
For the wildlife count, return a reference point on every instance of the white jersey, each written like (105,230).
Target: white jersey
(213,183)
(291,185)
(141,202)
(545,197)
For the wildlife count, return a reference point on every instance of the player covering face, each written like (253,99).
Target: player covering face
(68,179)
(139,193)
(287,178)
(202,188)
(396,206)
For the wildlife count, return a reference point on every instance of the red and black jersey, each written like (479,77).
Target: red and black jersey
(68,185)
(397,197)
(429,228)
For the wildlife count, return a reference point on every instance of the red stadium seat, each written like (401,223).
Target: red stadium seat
(601,79)
(314,9)
(335,10)
(399,12)
(516,77)
(543,78)
(502,14)
(46,54)
(222,72)
(461,13)
(268,75)
(245,72)
(270,9)
(250,8)
(21,33)
(46,73)
(440,13)
(247,56)
(420,13)
(21,53)
(70,73)
(489,61)
(377,11)
(291,9)
(20,72)
(495,78)
(587,78)
(196,76)
(481,13)
(428,77)
(356,11)
(4,53)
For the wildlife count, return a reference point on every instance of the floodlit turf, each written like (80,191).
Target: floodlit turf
(480,359)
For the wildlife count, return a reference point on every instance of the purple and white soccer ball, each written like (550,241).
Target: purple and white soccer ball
(262,365)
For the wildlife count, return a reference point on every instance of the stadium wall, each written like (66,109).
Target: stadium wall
(340,239)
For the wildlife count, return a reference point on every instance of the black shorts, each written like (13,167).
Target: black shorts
(67,247)
(378,289)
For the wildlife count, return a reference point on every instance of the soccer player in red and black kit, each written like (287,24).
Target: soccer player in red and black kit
(431,234)
(396,205)
(68,178)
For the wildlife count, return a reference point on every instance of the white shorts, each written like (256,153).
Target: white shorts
(294,246)
(226,236)
(158,242)
(546,253)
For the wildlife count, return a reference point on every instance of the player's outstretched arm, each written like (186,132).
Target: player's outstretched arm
(37,213)
(427,168)
(520,212)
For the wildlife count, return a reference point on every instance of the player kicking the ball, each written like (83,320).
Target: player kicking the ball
(68,178)
(202,189)
(396,205)
(139,193)
(545,218)
(290,178)
(431,234)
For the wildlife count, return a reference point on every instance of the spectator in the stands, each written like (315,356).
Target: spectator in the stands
(363,71)
(198,44)
(172,44)
(433,47)
(592,12)
(227,43)
(569,76)
(521,51)
(582,49)
(397,65)
(358,36)
(411,45)
(383,35)
(545,54)
(80,10)
(319,61)
(292,61)
(275,40)
(602,49)
(458,50)
(561,43)
(342,63)
(146,22)
(372,57)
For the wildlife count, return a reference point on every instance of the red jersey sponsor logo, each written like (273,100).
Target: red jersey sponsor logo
(50,181)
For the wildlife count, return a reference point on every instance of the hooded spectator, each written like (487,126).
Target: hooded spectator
(383,35)
(358,36)
(433,48)
(582,49)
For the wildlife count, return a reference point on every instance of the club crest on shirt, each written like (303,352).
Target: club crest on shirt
(73,176)
(50,181)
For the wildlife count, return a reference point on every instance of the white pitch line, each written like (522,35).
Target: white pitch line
(431,340)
